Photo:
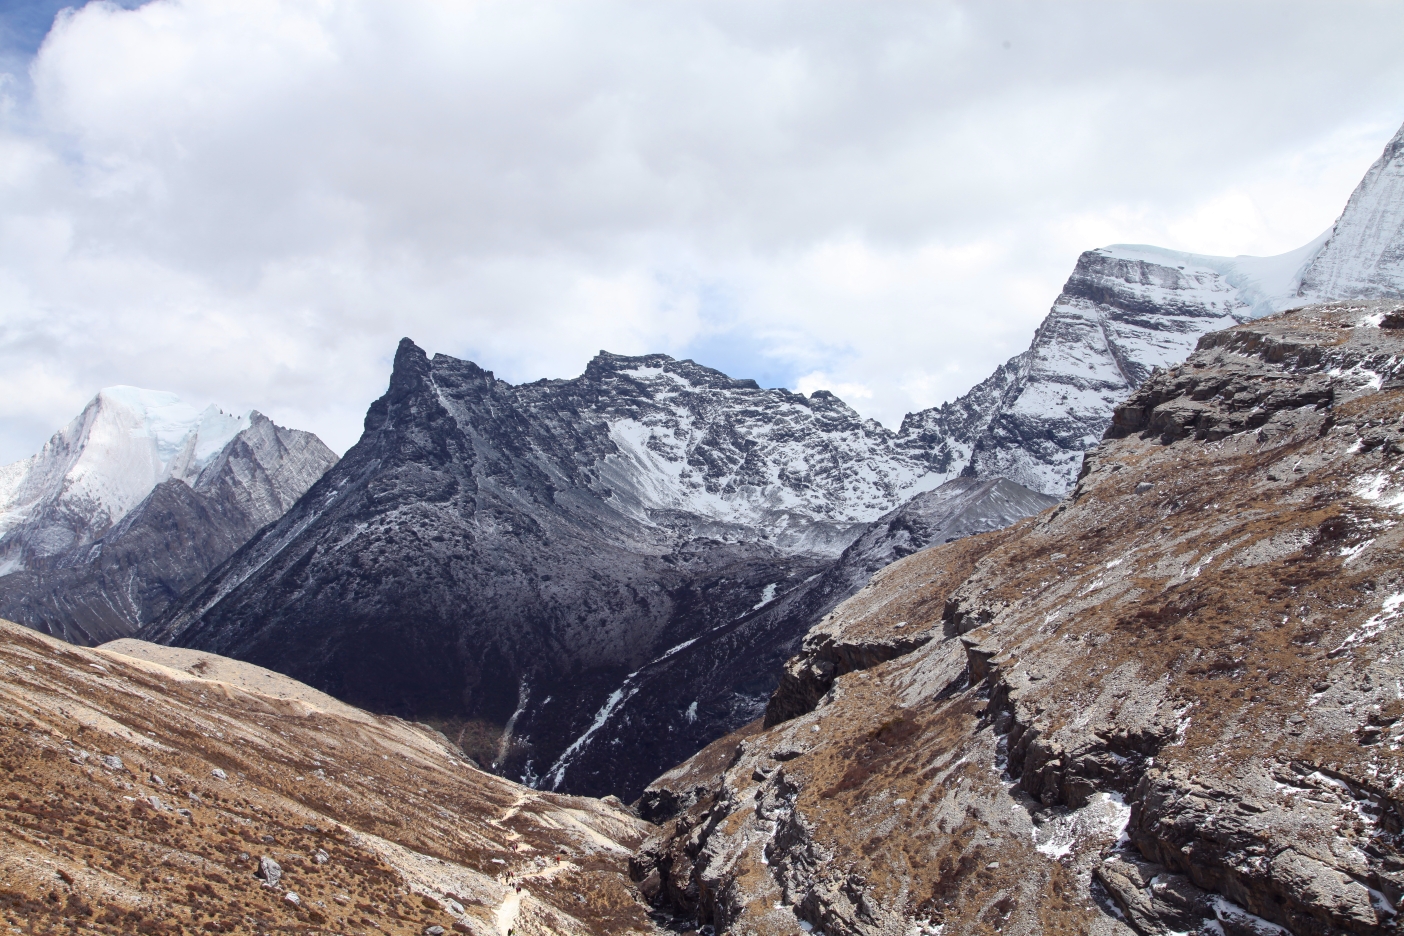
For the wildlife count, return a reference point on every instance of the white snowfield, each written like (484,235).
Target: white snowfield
(105,462)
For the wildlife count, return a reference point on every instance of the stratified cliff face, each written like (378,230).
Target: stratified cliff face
(1169,705)
(1122,314)
(116,576)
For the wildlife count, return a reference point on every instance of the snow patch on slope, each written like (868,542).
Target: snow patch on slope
(616,698)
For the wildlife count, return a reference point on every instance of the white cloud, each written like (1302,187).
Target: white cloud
(252,201)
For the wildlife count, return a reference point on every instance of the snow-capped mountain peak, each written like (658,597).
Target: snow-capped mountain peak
(1130,308)
(103,463)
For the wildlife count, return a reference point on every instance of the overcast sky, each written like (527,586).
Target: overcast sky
(250,201)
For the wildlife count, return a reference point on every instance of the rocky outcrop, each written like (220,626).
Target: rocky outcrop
(1168,705)
(809,677)
(181,530)
(1258,842)
(834,646)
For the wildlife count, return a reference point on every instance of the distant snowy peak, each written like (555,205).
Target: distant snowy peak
(103,463)
(1364,257)
(80,561)
(1130,308)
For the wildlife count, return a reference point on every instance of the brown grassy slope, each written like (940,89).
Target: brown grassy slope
(1208,630)
(379,825)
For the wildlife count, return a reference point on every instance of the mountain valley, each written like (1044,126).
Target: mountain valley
(514,563)
(584,581)
(1108,645)
(1164,705)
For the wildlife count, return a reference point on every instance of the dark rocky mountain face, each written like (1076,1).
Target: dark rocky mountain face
(515,562)
(168,542)
(1171,704)
(722,679)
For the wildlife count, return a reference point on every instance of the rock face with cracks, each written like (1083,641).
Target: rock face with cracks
(1169,705)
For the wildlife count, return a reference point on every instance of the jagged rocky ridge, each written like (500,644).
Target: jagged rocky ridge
(136,501)
(1128,309)
(508,559)
(1198,649)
